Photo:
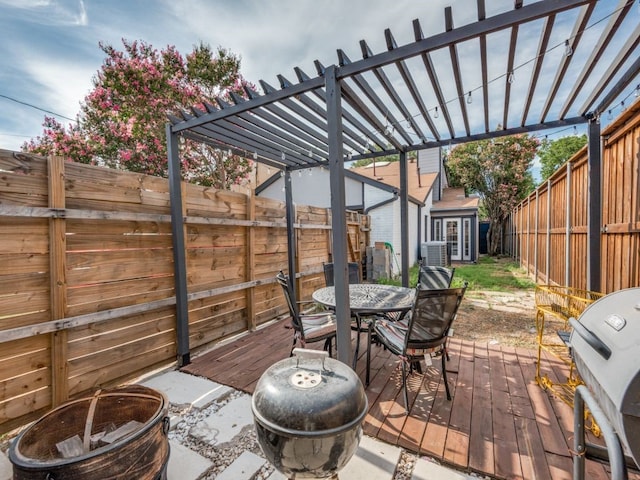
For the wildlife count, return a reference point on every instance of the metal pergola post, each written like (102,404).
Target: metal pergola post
(338,215)
(404,218)
(595,204)
(179,254)
(291,231)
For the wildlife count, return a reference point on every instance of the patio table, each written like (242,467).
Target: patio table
(369,299)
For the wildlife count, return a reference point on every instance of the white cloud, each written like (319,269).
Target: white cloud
(49,12)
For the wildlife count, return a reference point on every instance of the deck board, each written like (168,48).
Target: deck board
(500,423)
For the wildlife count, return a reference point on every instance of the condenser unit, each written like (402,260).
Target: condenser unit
(434,254)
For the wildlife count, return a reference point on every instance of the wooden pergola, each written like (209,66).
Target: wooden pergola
(418,96)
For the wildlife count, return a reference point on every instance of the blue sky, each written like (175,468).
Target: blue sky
(49,51)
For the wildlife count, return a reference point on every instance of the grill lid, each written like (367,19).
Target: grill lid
(605,342)
(309,395)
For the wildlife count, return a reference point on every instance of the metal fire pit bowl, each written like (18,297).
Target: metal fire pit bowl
(308,412)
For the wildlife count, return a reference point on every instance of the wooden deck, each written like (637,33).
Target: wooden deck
(499,422)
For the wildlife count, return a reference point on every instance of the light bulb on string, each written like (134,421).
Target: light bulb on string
(283,156)
(255,155)
(469,99)
(609,116)
(622,105)
(637,92)
(568,51)
(575,130)
(511,78)
(436,114)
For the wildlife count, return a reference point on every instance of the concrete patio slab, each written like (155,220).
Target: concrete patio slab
(184,389)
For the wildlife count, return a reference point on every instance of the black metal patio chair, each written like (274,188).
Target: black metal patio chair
(423,331)
(353,268)
(435,277)
(308,328)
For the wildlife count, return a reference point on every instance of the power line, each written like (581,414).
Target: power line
(37,108)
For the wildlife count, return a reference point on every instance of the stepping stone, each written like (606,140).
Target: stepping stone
(426,469)
(226,423)
(6,468)
(243,468)
(185,464)
(374,460)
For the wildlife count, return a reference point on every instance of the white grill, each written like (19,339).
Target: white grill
(606,348)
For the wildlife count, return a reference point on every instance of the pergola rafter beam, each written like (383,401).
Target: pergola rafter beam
(433,78)
(455,65)
(393,94)
(525,14)
(619,87)
(483,66)
(373,97)
(510,75)
(349,134)
(542,48)
(358,105)
(413,90)
(579,26)
(614,67)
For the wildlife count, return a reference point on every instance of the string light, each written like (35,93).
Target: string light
(511,78)
(622,105)
(637,92)
(255,155)
(609,116)
(568,51)
(283,156)
(469,99)
(436,114)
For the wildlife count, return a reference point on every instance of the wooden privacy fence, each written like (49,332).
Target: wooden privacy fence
(548,231)
(87,275)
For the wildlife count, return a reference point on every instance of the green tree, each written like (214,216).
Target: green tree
(553,153)
(122,121)
(499,171)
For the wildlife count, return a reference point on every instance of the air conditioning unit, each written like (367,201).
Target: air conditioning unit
(434,254)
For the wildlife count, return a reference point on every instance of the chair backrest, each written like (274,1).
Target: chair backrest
(431,317)
(284,282)
(354,273)
(435,277)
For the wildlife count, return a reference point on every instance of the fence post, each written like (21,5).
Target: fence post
(567,252)
(58,280)
(251,262)
(548,242)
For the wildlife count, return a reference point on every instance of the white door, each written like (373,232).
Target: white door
(466,235)
(452,228)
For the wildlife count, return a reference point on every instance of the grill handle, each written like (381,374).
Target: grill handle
(591,338)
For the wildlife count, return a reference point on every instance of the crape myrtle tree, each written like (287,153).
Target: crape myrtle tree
(499,171)
(122,121)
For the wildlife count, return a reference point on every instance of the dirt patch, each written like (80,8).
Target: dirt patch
(505,318)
